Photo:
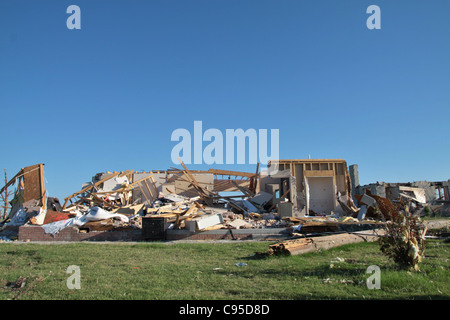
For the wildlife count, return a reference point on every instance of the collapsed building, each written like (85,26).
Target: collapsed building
(298,196)
(313,186)
(429,195)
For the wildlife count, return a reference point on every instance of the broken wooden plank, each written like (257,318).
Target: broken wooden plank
(140,180)
(201,191)
(275,203)
(89,187)
(254,180)
(143,193)
(154,197)
(246,191)
(231,173)
(128,188)
(12,180)
(314,244)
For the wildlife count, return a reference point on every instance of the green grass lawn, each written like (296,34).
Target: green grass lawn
(186,271)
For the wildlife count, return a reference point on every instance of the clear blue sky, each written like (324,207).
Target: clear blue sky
(108,96)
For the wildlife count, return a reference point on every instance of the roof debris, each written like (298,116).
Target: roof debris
(299,197)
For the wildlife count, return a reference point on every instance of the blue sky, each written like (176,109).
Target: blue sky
(108,96)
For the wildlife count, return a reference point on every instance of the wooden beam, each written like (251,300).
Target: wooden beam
(202,191)
(140,180)
(149,191)
(142,191)
(89,187)
(123,173)
(305,245)
(126,188)
(188,173)
(196,186)
(42,181)
(12,180)
(104,202)
(284,195)
(231,173)
(246,191)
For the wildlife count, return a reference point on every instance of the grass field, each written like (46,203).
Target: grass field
(186,271)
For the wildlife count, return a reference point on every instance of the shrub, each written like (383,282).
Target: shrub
(404,240)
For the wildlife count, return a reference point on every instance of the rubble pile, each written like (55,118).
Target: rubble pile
(199,201)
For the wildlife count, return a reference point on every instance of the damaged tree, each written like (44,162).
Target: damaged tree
(404,240)
(5,195)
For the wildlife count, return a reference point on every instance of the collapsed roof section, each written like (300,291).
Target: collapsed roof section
(112,189)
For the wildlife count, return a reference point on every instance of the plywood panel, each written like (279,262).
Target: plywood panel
(33,182)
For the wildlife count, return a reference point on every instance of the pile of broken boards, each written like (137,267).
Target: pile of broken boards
(111,203)
(180,212)
(194,215)
(376,208)
(108,205)
(253,213)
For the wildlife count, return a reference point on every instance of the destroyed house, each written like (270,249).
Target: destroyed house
(291,197)
(317,186)
(298,187)
(147,187)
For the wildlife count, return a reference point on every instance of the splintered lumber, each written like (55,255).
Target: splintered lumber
(149,191)
(246,191)
(187,214)
(140,180)
(205,194)
(127,188)
(305,245)
(12,181)
(232,173)
(254,180)
(291,247)
(103,225)
(284,195)
(143,193)
(89,187)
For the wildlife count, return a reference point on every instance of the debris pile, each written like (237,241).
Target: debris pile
(297,200)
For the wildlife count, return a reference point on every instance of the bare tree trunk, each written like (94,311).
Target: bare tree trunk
(5,198)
